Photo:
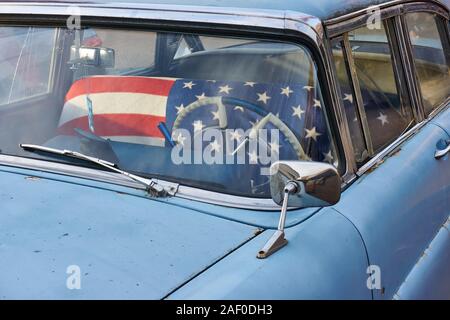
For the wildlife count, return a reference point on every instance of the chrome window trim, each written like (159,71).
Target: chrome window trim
(354,81)
(334,26)
(408,64)
(440,108)
(273,19)
(393,147)
(185,192)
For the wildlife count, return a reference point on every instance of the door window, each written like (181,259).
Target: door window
(388,115)
(25,62)
(431,62)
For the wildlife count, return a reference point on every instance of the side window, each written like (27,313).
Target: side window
(25,62)
(431,62)
(387,110)
(349,101)
(376,101)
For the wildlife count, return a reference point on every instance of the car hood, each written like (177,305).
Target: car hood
(123,246)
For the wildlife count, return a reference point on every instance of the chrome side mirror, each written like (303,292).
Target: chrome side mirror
(300,184)
(318,184)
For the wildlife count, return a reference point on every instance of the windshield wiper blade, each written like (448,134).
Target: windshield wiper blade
(152,187)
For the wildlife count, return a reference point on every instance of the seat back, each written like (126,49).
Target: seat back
(124,108)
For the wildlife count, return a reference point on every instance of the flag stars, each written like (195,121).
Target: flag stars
(312,134)
(201,97)
(328,157)
(189,85)
(180,108)
(297,112)
(263,97)
(274,147)
(250,84)
(235,136)
(317,103)
(308,88)
(286,91)
(215,115)
(348,97)
(225,89)
(215,146)
(383,118)
(198,125)
(253,157)
(180,139)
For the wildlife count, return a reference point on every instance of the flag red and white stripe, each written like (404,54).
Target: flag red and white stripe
(126,109)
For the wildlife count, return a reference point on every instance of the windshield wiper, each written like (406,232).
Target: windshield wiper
(152,187)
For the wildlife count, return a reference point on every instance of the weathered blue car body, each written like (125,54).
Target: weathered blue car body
(393,216)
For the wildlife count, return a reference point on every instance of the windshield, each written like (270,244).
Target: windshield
(207,112)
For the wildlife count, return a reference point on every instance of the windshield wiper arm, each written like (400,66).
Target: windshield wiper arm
(152,186)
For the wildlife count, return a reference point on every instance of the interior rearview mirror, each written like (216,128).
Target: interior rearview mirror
(300,184)
(93,56)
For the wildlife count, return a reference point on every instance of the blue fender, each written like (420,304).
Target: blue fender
(324,259)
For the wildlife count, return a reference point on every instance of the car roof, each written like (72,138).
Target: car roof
(322,9)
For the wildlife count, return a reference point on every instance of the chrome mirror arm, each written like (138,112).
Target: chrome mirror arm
(278,240)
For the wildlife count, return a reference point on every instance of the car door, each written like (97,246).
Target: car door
(400,201)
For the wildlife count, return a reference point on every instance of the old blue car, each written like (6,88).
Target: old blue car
(225,149)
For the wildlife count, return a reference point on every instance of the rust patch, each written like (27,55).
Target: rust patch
(396,152)
(375,166)
(258,231)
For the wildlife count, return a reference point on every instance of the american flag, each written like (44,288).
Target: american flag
(386,118)
(124,109)
(129,109)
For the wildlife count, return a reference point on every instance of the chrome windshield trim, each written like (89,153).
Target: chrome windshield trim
(180,191)
(273,19)
(226,200)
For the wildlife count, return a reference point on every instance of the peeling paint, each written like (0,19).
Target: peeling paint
(396,152)
(375,166)
(258,231)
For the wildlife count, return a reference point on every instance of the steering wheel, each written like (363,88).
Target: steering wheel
(268,117)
